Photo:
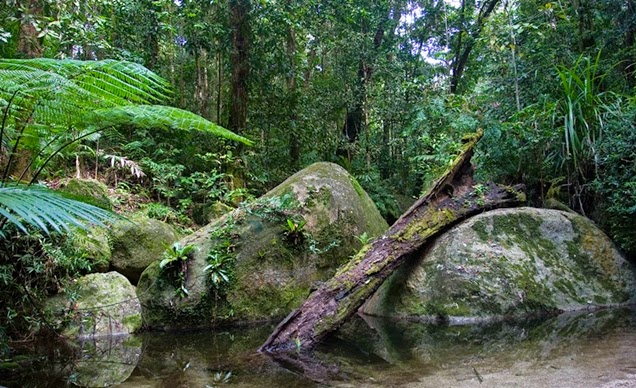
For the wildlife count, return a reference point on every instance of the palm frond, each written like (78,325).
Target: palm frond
(48,210)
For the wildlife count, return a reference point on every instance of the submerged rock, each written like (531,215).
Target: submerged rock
(137,243)
(260,261)
(100,304)
(509,262)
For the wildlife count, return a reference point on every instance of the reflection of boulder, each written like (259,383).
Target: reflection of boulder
(138,243)
(103,304)
(106,361)
(536,338)
(272,250)
(574,349)
(509,262)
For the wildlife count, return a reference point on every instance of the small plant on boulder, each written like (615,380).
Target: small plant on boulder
(294,231)
(176,257)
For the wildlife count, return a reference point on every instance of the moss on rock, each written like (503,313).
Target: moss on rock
(91,191)
(269,272)
(137,243)
(506,263)
(101,304)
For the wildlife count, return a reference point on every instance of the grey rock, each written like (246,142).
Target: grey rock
(509,262)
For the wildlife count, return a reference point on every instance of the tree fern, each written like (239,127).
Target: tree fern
(47,210)
(43,100)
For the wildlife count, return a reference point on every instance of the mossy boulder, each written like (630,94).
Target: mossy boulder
(91,191)
(272,251)
(204,213)
(509,262)
(137,242)
(97,305)
(92,245)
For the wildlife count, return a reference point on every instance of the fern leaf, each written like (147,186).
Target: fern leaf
(46,209)
(158,116)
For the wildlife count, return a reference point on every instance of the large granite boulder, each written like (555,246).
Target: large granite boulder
(509,262)
(261,260)
(138,242)
(97,305)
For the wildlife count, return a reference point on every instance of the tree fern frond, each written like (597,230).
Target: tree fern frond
(158,116)
(46,209)
(111,81)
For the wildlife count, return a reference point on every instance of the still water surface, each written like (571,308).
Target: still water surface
(572,350)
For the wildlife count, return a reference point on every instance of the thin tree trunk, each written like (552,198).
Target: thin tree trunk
(451,200)
(219,86)
(462,54)
(294,138)
(513,52)
(239,10)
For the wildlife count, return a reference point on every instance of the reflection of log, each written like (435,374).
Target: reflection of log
(452,199)
(308,366)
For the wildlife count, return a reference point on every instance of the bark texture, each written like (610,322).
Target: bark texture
(452,199)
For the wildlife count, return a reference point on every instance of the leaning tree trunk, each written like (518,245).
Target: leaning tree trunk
(452,199)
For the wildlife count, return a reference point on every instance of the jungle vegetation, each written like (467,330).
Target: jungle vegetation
(177,105)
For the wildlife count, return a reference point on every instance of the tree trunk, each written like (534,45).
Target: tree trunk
(239,11)
(451,200)
(462,52)
(29,45)
(294,136)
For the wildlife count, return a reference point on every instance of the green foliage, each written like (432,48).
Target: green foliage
(583,109)
(43,99)
(294,231)
(175,254)
(615,183)
(43,209)
(218,268)
(381,193)
(364,238)
(33,267)
(175,262)
(164,213)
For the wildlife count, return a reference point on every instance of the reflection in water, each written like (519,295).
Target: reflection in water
(586,349)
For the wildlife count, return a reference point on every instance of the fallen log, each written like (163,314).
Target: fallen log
(452,199)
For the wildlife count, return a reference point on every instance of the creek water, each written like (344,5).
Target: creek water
(587,349)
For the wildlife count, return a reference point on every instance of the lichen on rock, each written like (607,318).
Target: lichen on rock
(508,263)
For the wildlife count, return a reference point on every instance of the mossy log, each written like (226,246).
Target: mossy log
(453,198)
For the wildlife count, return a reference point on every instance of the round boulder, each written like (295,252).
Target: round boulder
(137,243)
(261,260)
(509,262)
(91,191)
(100,304)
